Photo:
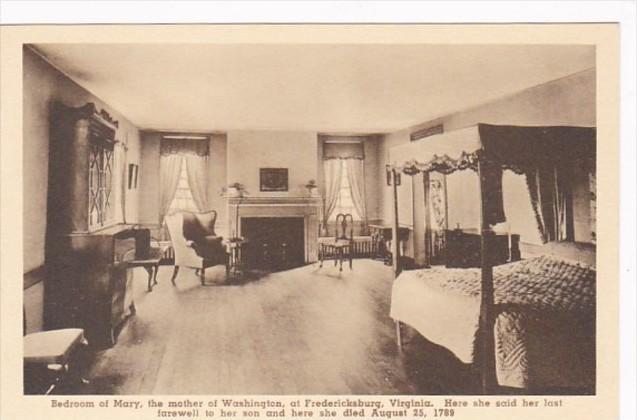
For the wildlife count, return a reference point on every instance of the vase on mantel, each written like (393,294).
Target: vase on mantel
(312,188)
(232,192)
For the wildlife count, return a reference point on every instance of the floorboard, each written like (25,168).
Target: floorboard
(309,330)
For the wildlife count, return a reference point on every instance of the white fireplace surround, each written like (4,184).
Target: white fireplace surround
(309,208)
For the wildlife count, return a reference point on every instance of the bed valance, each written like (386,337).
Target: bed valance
(512,147)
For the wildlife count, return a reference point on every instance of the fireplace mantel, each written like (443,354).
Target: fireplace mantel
(309,208)
(275,201)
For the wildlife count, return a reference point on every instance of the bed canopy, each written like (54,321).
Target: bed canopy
(512,147)
(488,149)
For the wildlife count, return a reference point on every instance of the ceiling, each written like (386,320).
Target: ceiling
(338,88)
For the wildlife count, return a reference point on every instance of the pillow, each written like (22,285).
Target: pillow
(571,251)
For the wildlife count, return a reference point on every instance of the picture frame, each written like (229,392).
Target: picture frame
(273,179)
(133,169)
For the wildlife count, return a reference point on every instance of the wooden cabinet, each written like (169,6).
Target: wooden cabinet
(87,280)
(463,248)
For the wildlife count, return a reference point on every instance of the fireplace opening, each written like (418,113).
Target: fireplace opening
(273,243)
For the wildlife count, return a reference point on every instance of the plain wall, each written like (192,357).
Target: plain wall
(43,84)
(566,101)
(149,178)
(248,151)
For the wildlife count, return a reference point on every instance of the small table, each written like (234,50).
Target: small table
(234,247)
(150,264)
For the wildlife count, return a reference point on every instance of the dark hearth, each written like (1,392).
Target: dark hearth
(273,243)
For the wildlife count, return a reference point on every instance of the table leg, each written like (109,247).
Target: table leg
(155,275)
(149,269)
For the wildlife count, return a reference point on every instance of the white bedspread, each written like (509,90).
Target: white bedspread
(442,316)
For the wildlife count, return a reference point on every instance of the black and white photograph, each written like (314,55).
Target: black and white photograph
(228,273)
(248,221)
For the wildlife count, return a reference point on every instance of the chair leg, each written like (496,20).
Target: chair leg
(202,276)
(350,259)
(399,339)
(321,257)
(172,280)
(341,254)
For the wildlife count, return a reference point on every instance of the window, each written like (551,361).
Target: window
(344,203)
(183,199)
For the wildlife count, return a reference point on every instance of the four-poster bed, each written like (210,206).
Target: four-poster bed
(539,153)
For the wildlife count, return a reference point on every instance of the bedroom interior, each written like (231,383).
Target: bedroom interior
(454,208)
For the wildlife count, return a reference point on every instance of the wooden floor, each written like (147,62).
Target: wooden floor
(302,331)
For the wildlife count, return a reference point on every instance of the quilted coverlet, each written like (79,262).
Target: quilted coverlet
(545,318)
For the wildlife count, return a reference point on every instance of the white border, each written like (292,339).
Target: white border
(109,12)
(73,12)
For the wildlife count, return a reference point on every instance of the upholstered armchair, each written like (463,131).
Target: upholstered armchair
(195,243)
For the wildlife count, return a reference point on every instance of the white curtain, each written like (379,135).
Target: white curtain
(169,171)
(550,195)
(197,170)
(333,177)
(561,203)
(356,179)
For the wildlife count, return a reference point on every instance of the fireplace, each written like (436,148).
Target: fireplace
(297,217)
(273,243)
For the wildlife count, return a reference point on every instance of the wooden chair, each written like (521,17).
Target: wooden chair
(343,243)
(195,243)
(48,355)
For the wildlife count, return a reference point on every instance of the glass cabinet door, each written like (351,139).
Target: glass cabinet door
(100,189)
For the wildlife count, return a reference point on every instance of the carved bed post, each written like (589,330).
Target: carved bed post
(428,248)
(486,340)
(395,235)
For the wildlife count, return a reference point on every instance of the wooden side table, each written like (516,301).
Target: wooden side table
(234,248)
(382,238)
(150,264)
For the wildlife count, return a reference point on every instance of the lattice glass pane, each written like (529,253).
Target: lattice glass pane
(100,186)
(108,185)
(93,182)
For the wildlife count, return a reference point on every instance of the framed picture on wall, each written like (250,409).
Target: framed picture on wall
(273,179)
(132,175)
